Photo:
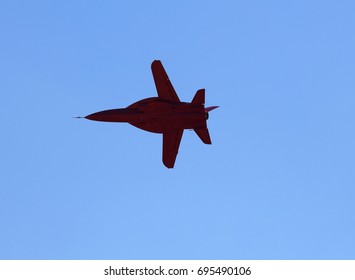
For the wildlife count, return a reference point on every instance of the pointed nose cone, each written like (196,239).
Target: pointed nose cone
(211,108)
(89,117)
(93,117)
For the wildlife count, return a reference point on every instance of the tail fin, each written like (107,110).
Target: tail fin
(202,132)
(204,135)
(199,98)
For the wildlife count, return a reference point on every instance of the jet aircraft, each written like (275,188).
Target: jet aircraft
(164,114)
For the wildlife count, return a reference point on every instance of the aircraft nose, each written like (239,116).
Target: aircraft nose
(92,117)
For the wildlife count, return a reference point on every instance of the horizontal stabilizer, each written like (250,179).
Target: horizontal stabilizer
(203,134)
(199,98)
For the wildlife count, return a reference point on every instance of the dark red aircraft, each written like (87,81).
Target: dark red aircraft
(164,114)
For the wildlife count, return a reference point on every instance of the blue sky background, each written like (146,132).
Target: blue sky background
(278,181)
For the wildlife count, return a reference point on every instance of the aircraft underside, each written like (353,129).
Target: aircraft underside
(164,114)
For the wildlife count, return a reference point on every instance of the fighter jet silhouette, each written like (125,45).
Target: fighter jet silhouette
(164,114)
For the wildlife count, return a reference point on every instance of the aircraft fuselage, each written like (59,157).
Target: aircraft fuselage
(156,115)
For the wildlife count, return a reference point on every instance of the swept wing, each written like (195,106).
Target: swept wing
(171,143)
(162,82)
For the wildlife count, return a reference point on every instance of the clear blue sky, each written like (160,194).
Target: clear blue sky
(278,182)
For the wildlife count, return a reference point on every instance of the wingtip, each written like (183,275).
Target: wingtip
(168,165)
(155,62)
